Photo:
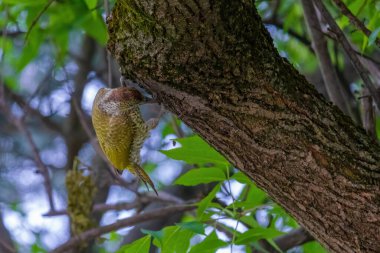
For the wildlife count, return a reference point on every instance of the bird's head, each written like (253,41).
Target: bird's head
(117,100)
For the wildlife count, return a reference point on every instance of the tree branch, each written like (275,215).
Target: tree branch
(139,202)
(6,243)
(294,238)
(75,136)
(35,20)
(330,77)
(341,38)
(354,20)
(291,32)
(94,233)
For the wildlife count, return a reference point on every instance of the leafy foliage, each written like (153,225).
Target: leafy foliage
(53,27)
(242,208)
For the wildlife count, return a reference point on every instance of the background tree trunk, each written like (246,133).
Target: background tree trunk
(213,64)
(6,243)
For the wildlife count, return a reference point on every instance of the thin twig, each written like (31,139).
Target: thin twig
(221,227)
(37,18)
(11,34)
(275,6)
(30,110)
(130,221)
(330,77)
(306,41)
(6,247)
(42,167)
(101,208)
(2,60)
(301,38)
(139,202)
(355,20)
(107,8)
(20,124)
(341,38)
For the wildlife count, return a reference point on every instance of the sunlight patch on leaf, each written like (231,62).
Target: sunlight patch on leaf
(201,176)
(194,150)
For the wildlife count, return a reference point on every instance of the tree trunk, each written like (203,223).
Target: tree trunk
(6,243)
(214,65)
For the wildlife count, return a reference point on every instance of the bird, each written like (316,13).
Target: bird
(120,129)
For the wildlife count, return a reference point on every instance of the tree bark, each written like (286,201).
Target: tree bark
(214,65)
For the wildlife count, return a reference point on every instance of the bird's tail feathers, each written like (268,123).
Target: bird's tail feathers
(138,171)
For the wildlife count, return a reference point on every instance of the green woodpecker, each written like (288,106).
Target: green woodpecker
(120,129)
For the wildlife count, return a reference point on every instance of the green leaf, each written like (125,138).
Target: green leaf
(193,226)
(256,234)
(149,167)
(183,241)
(61,42)
(167,129)
(194,150)
(24,2)
(91,4)
(11,82)
(313,247)
(241,178)
(37,249)
(280,213)
(157,235)
(31,49)
(250,221)
(378,127)
(172,239)
(94,26)
(168,239)
(274,245)
(256,197)
(114,236)
(209,245)
(32,14)
(141,245)
(204,203)
(201,176)
(176,240)
(373,36)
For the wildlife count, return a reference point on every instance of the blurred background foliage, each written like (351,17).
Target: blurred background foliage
(53,56)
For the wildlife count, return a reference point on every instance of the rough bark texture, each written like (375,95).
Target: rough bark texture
(213,64)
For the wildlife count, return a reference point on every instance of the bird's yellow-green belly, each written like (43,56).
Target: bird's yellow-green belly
(115,137)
